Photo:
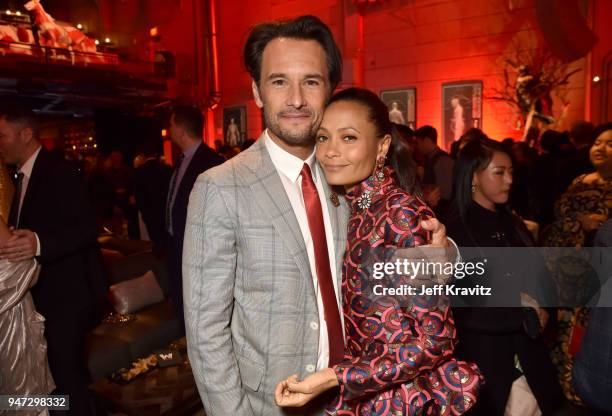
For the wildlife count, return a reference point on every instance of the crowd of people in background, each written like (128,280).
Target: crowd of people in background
(120,195)
(560,189)
(268,248)
(559,196)
(544,171)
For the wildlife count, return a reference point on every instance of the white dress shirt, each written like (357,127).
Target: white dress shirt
(289,168)
(26,169)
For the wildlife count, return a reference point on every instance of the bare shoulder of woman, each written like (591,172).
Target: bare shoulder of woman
(588,178)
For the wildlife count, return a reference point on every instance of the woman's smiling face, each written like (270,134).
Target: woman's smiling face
(348,144)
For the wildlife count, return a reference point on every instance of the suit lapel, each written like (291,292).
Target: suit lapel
(189,172)
(33,185)
(270,195)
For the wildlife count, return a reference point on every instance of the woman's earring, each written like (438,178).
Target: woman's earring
(474,188)
(379,172)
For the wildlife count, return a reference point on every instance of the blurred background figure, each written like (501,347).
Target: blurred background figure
(438,170)
(186,129)
(496,338)
(151,180)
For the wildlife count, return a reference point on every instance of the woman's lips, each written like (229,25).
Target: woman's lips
(333,168)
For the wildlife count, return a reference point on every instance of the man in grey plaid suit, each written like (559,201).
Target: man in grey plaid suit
(253,305)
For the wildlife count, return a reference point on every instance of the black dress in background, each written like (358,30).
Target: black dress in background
(493,337)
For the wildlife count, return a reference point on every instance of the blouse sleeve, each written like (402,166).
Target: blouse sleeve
(564,204)
(425,336)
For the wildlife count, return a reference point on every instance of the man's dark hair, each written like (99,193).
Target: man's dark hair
(150,148)
(20,114)
(583,133)
(302,28)
(190,118)
(551,141)
(427,132)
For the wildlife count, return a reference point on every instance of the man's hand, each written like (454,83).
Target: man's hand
(438,237)
(21,246)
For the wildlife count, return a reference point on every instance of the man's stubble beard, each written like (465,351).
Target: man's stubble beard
(304,137)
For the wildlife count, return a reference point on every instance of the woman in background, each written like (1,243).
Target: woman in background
(496,338)
(579,213)
(587,203)
(23,348)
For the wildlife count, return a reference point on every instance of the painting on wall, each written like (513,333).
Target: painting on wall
(402,105)
(234,126)
(461,109)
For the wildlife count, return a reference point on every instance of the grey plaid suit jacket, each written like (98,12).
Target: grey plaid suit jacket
(250,306)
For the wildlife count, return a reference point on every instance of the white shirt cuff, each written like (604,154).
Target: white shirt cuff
(38,245)
(458,259)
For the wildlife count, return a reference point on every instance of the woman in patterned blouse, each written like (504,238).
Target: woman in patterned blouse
(579,212)
(398,358)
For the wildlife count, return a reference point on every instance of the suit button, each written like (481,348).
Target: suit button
(310,368)
(314,326)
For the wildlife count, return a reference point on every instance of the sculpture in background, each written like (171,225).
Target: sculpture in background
(56,35)
(529,80)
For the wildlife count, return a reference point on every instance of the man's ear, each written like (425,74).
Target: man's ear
(26,134)
(258,100)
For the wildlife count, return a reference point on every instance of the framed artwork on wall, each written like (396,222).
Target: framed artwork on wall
(234,126)
(402,105)
(461,109)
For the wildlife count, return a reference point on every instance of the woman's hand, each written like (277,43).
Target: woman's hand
(438,232)
(285,397)
(432,195)
(295,393)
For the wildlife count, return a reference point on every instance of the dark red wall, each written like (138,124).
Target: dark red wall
(400,43)
(416,43)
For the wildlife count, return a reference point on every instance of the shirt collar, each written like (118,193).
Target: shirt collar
(286,163)
(191,151)
(27,167)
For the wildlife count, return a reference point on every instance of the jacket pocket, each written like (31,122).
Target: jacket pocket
(251,373)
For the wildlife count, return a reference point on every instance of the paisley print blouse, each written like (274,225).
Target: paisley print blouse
(581,197)
(398,359)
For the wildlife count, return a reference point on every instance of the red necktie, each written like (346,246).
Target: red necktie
(324,276)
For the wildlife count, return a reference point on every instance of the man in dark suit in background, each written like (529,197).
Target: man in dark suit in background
(151,180)
(186,128)
(54,223)
(438,167)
